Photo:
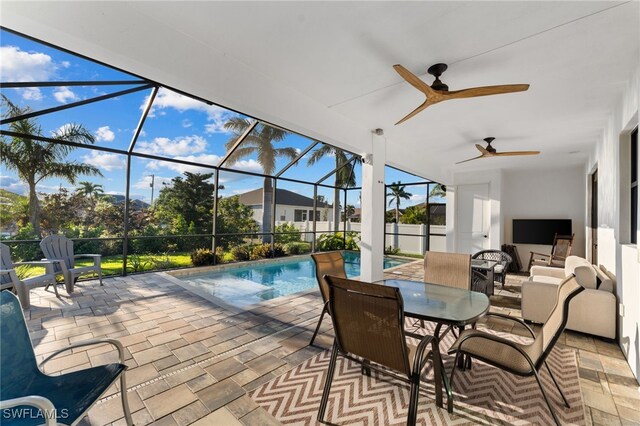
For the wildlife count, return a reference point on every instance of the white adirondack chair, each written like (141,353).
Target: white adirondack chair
(59,249)
(9,278)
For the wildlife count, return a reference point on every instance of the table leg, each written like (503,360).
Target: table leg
(437,366)
(461,362)
(490,277)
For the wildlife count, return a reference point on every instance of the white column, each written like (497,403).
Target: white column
(373,209)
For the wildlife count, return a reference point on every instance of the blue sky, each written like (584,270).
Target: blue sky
(177,127)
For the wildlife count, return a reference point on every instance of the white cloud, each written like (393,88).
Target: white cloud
(181,168)
(18,65)
(186,123)
(63,94)
(173,147)
(60,130)
(145,182)
(104,134)
(168,99)
(31,94)
(105,161)
(13,184)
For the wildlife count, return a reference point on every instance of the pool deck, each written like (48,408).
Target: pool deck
(193,362)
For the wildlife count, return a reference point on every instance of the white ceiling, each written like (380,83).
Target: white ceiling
(325,68)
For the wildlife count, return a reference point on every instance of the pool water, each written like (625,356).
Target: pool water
(244,286)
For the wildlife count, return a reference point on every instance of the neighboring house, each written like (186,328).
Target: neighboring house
(290,206)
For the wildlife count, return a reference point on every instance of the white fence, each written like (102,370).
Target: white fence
(407,238)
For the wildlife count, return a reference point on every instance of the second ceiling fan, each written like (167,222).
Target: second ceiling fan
(439,91)
(490,151)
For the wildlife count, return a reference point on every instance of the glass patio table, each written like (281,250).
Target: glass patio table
(446,306)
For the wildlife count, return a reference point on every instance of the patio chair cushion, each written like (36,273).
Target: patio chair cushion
(497,352)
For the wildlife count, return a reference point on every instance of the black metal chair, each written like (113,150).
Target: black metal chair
(517,358)
(503,259)
(368,321)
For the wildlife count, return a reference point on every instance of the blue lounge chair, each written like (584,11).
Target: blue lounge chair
(30,397)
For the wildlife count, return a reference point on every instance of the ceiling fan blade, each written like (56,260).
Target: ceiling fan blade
(510,153)
(470,159)
(424,105)
(413,80)
(483,150)
(486,91)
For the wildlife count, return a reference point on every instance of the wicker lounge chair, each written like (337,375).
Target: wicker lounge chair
(560,250)
(69,396)
(9,279)
(368,321)
(328,263)
(517,358)
(59,249)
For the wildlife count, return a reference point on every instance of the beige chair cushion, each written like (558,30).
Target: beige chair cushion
(497,352)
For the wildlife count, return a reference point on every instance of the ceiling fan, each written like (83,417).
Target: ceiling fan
(490,151)
(439,91)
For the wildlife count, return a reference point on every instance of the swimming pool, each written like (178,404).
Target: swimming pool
(247,285)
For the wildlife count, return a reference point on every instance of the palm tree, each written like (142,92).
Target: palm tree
(260,142)
(398,192)
(438,191)
(90,190)
(35,161)
(344,177)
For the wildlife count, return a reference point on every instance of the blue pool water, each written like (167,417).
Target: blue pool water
(247,285)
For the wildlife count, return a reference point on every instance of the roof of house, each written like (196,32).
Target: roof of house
(282,196)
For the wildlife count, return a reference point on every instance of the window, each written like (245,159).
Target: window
(634,187)
(299,215)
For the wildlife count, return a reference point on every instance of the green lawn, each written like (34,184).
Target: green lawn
(112,265)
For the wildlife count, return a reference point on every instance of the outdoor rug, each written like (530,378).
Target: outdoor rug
(482,395)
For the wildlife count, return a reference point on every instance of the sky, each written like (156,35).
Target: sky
(177,127)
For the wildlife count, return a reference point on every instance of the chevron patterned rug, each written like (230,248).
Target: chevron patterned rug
(482,395)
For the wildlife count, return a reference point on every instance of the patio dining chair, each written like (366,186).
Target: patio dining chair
(59,249)
(29,396)
(327,263)
(368,321)
(9,278)
(503,259)
(517,358)
(449,269)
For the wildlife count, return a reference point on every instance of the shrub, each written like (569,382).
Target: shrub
(336,241)
(287,233)
(137,263)
(297,248)
(241,253)
(264,251)
(203,257)
(391,250)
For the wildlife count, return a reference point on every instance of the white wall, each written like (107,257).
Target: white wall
(611,158)
(544,194)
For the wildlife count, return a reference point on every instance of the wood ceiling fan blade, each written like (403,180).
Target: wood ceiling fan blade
(483,150)
(485,91)
(470,159)
(512,153)
(414,80)
(424,105)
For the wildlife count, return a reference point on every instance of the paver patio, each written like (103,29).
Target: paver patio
(193,362)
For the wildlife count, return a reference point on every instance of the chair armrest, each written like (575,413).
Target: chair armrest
(540,254)
(6,271)
(40,402)
(86,255)
(91,342)
(509,317)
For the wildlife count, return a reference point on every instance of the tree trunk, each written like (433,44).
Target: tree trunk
(267,202)
(336,208)
(34,208)
(397,210)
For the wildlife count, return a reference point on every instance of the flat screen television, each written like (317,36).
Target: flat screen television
(539,231)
